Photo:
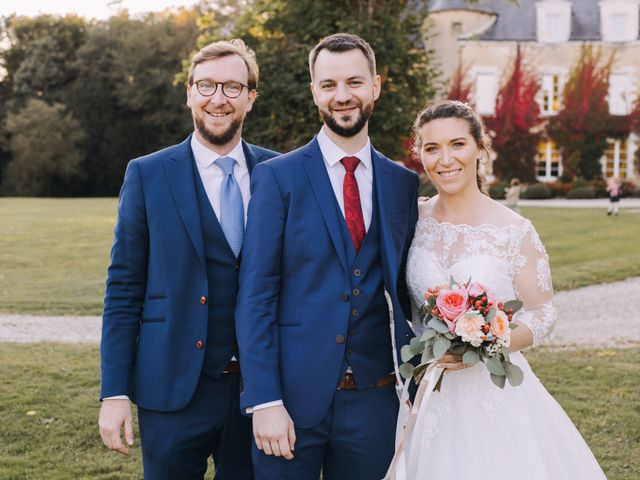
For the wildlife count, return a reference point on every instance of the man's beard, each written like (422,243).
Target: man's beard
(364,113)
(222,138)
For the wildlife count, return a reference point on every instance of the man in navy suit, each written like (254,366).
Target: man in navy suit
(329,228)
(168,333)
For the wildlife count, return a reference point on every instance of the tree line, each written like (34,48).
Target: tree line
(79,98)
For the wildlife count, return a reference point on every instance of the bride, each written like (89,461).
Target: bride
(471,429)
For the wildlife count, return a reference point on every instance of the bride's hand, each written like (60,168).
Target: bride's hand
(450,361)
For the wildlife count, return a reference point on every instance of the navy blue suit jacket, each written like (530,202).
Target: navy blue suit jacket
(153,314)
(294,272)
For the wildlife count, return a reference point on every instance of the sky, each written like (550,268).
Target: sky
(87,8)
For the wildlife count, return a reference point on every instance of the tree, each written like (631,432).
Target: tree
(583,125)
(46,146)
(282,33)
(515,126)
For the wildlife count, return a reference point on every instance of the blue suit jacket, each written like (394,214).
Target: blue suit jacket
(295,270)
(153,315)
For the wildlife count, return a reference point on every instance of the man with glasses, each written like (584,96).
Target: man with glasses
(168,335)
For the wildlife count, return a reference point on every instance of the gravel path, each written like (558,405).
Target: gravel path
(596,316)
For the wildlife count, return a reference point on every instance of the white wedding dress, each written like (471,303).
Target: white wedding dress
(471,429)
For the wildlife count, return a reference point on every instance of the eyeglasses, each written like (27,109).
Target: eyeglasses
(230,89)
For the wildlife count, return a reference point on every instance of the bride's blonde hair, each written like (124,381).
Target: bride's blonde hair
(455,109)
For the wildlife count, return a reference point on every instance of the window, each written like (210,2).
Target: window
(619,20)
(486,90)
(621,93)
(550,89)
(548,161)
(456,28)
(616,161)
(553,20)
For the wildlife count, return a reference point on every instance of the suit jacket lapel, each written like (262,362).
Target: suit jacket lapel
(323,192)
(179,170)
(382,178)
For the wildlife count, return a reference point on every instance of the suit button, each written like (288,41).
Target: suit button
(237,266)
(199,344)
(344,297)
(339,339)
(355,312)
(357,272)
(356,292)
(203,300)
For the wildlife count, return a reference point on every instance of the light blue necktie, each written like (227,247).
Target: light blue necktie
(231,206)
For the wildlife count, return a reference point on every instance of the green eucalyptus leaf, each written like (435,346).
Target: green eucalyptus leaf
(457,348)
(441,346)
(499,380)
(405,353)
(490,315)
(450,335)
(513,304)
(427,355)
(494,365)
(416,346)
(470,357)
(428,333)
(514,374)
(438,325)
(406,370)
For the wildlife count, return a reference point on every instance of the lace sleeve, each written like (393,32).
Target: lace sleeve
(532,282)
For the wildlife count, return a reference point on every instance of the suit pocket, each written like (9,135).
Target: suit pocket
(155,309)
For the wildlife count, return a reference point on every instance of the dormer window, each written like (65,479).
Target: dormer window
(553,20)
(619,20)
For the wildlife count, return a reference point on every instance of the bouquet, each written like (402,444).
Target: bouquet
(464,319)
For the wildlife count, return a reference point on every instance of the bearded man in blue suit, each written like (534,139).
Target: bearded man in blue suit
(168,334)
(329,229)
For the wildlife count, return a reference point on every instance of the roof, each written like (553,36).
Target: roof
(517,20)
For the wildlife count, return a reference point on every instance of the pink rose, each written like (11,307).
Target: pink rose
(476,289)
(469,327)
(451,304)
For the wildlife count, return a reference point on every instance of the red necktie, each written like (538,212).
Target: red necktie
(352,206)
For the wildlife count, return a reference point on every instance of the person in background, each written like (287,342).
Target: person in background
(513,194)
(614,189)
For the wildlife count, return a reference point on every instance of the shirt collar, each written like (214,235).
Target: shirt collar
(205,157)
(333,154)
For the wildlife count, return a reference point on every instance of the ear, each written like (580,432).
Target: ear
(189,94)
(377,87)
(313,93)
(252,98)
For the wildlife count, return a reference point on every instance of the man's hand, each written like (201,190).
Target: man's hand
(114,414)
(273,431)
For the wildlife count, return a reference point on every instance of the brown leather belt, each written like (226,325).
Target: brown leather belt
(348,382)
(232,367)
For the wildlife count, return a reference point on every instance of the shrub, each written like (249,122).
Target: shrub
(582,192)
(537,191)
(497,190)
(559,188)
(427,189)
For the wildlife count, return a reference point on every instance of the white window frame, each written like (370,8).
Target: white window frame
(547,177)
(630,153)
(627,9)
(557,9)
(621,97)
(561,74)
(488,105)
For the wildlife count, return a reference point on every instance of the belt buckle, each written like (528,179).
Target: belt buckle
(347,382)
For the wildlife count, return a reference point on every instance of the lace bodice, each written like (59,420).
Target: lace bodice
(509,259)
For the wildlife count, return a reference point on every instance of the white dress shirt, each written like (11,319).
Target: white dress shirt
(212,177)
(332,154)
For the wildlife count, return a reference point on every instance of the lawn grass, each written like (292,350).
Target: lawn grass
(586,246)
(599,389)
(54,252)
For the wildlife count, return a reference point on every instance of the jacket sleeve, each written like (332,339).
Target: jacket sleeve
(125,289)
(259,288)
